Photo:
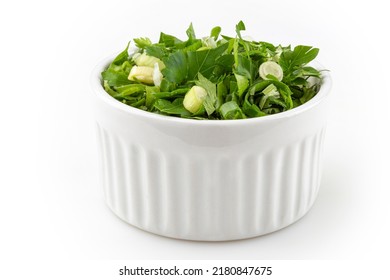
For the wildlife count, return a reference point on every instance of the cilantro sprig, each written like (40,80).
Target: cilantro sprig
(213,77)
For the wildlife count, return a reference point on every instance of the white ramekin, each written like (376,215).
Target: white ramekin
(209,180)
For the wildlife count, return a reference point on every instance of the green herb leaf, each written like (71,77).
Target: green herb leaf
(191,33)
(285,92)
(308,93)
(252,110)
(211,98)
(122,57)
(240,27)
(169,40)
(307,72)
(215,32)
(174,108)
(115,78)
(157,50)
(221,94)
(151,96)
(203,62)
(242,83)
(142,42)
(246,67)
(130,89)
(301,55)
(170,94)
(176,67)
(108,88)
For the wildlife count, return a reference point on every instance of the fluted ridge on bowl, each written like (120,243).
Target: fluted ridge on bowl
(197,198)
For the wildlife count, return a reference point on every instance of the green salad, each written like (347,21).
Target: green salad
(214,77)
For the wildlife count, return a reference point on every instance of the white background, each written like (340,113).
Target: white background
(51,206)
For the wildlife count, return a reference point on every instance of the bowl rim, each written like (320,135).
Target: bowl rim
(101,94)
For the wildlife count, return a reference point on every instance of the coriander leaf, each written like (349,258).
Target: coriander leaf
(296,92)
(226,61)
(299,81)
(224,65)
(215,32)
(221,94)
(267,46)
(142,42)
(272,110)
(285,92)
(194,46)
(308,93)
(296,103)
(211,98)
(191,33)
(246,45)
(115,78)
(130,89)
(157,50)
(240,27)
(138,103)
(176,67)
(169,40)
(175,93)
(108,88)
(150,96)
(245,67)
(117,73)
(259,86)
(166,85)
(277,101)
(235,52)
(122,57)
(232,87)
(231,42)
(203,61)
(283,89)
(128,99)
(307,71)
(174,108)
(301,55)
(252,110)
(242,83)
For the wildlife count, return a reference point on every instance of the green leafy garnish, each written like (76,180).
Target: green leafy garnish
(177,67)
(211,98)
(213,77)
(171,108)
(142,43)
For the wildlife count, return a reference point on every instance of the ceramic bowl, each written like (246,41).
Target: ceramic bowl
(209,180)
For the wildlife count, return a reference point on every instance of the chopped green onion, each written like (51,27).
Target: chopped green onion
(143,74)
(271,68)
(142,59)
(194,98)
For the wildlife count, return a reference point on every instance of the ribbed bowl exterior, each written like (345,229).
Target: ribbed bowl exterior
(209,180)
